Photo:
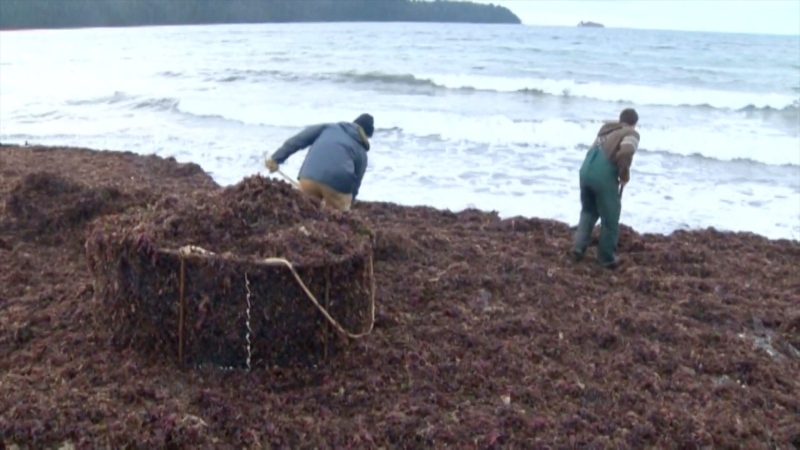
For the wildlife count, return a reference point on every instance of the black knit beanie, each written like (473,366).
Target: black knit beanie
(366,122)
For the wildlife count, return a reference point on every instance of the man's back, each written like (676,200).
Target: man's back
(336,157)
(618,141)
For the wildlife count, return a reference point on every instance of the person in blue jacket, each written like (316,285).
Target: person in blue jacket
(336,160)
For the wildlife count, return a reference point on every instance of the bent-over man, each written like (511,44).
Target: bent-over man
(605,171)
(336,162)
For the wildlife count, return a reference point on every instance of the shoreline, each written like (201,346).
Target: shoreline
(795,240)
(484,335)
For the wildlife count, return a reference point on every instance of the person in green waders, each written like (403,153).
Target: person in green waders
(604,173)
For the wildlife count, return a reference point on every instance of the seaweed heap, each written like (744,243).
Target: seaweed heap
(223,304)
(49,208)
(486,335)
(51,204)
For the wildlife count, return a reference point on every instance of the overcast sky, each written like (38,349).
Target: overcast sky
(737,16)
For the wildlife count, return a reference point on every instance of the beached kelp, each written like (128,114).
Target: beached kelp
(48,208)
(50,204)
(486,336)
(223,303)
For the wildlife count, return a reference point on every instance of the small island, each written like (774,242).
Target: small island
(591,24)
(49,14)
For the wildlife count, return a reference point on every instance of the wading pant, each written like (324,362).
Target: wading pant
(329,197)
(599,200)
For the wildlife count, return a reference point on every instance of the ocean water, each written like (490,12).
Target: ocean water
(485,116)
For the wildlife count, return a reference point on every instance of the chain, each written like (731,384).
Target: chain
(249,330)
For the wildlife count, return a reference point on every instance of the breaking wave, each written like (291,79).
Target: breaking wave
(128,100)
(625,93)
(727,143)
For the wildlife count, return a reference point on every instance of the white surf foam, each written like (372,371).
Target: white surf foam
(628,93)
(724,140)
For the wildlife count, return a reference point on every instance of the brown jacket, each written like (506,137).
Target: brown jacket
(619,141)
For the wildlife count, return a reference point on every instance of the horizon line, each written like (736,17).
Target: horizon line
(751,33)
(526,24)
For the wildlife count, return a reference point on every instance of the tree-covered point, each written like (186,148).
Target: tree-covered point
(26,14)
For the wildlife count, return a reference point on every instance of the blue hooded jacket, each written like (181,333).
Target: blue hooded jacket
(337,157)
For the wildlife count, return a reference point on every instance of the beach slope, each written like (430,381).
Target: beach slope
(485,335)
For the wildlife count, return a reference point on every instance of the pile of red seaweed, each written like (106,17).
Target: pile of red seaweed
(486,336)
(198,307)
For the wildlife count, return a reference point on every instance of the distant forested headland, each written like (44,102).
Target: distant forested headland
(27,14)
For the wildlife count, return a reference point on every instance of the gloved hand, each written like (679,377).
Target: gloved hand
(271,165)
(624,177)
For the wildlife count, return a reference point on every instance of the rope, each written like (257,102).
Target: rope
(289,179)
(182,312)
(327,305)
(192,250)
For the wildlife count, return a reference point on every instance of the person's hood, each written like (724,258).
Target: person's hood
(614,131)
(356,132)
(610,127)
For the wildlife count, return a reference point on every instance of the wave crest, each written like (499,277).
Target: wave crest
(615,93)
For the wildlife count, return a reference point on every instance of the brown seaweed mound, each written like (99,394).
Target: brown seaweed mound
(257,218)
(50,204)
(150,293)
(486,336)
(47,207)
